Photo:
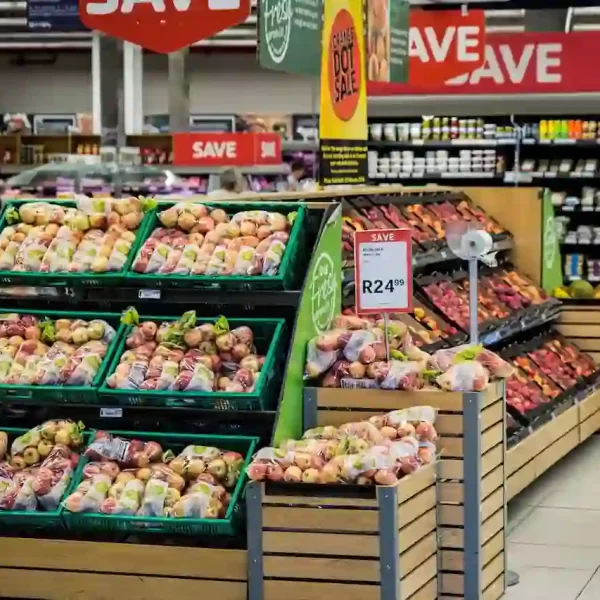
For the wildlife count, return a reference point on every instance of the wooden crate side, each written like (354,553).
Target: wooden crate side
(428,592)
(321,568)
(418,553)
(413,582)
(334,520)
(590,345)
(417,482)
(416,506)
(130,559)
(579,331)
(58,585)
(417,530)
(495,590)
(286,542)
(588,427)
(453,560)
(519,480)
(585,317)
(278,589)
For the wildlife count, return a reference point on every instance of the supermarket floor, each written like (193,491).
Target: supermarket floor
(554,531)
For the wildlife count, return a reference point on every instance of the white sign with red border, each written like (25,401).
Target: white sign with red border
(383,271)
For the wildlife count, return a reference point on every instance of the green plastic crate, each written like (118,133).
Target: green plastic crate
(35,278)
(36,519)
(64,393)
(270,341)
(98,522)
(284,280)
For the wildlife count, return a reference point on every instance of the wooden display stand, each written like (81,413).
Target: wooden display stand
(65,569)
(471,485)
(580,324)
(380,546)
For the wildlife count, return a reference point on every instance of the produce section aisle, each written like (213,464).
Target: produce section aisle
(554,528)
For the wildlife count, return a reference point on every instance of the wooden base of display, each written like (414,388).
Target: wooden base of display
(471,488)
(534,455)
(379,546)
(580,324)
(61,569)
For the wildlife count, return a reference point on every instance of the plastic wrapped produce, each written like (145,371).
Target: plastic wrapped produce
(155,497)
(243,260)
(129,453)
(468,376)
(273,258)
(402,376)
(53,477)
(130,500)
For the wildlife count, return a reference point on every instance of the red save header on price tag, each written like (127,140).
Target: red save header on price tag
(226,149)
(383,271)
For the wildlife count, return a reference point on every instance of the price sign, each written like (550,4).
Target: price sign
(383,271)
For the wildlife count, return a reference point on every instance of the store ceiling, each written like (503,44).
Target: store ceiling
(14,34)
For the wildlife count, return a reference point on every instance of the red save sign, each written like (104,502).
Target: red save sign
(162,25)
(226,149)
(383,277)
(444,44)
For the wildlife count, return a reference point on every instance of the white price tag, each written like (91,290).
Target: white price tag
(149,294)
(111,413)
(383,270)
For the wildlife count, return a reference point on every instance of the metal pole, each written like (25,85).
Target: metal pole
(473,322)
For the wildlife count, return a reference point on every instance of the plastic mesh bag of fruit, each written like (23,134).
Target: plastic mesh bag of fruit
(399,375)
(25,498)
(53,477)
(318,361)
(468,376)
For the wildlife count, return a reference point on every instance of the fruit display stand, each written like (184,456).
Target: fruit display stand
(471,507)
(105,563)
(378,543)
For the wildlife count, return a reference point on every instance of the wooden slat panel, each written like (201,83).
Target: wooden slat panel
(451,515)
(311,590)
(579,316)
(491,415)
(532,445)
(334,568)
(334,544)
(589,427)
(518,481)
(452,583)
(270,500)
(492,570)
(595,356)
(450,447)
(492,526)
(59,585)
(124,558)
(453,560)
(495,590)
(576,331)
(427,592)
(492,503)
(445,424)
(417,530)
(409,486)
(416,506)
(451,469)
(492,437)
(386,400)
(316,519)
(451,493)
(492,458)
(492,481)
(494,391)
(555,452)
(587,344)
(418,578)
(589,406)
(418,554)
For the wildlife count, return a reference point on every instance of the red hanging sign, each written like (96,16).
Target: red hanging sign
(226,149)
(444,44)
(163,25)
(519,63)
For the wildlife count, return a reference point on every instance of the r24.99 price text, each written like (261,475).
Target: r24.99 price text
(379,286)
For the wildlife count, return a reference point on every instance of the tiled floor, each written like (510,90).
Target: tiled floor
(554,531)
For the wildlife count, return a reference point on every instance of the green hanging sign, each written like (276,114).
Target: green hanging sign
(552,275)
(321,302)
(289,35)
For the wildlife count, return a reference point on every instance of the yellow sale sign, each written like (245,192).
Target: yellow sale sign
(343,76)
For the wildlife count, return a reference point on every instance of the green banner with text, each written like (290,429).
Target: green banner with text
(289,35)
(321,302)
(552,275)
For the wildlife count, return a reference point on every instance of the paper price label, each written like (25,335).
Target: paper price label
(383,271)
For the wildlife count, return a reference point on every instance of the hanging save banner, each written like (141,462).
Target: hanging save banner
(289,35)
(387,40)
(343,115)
(162,26)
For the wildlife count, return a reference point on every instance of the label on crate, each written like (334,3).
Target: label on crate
(149,294)
(383,271)
(350,383)
(111,413)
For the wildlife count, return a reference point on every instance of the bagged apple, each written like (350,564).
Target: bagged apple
(127,453)
(53,477)
(469,376)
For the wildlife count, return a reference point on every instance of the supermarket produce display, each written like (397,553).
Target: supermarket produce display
(199,388)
